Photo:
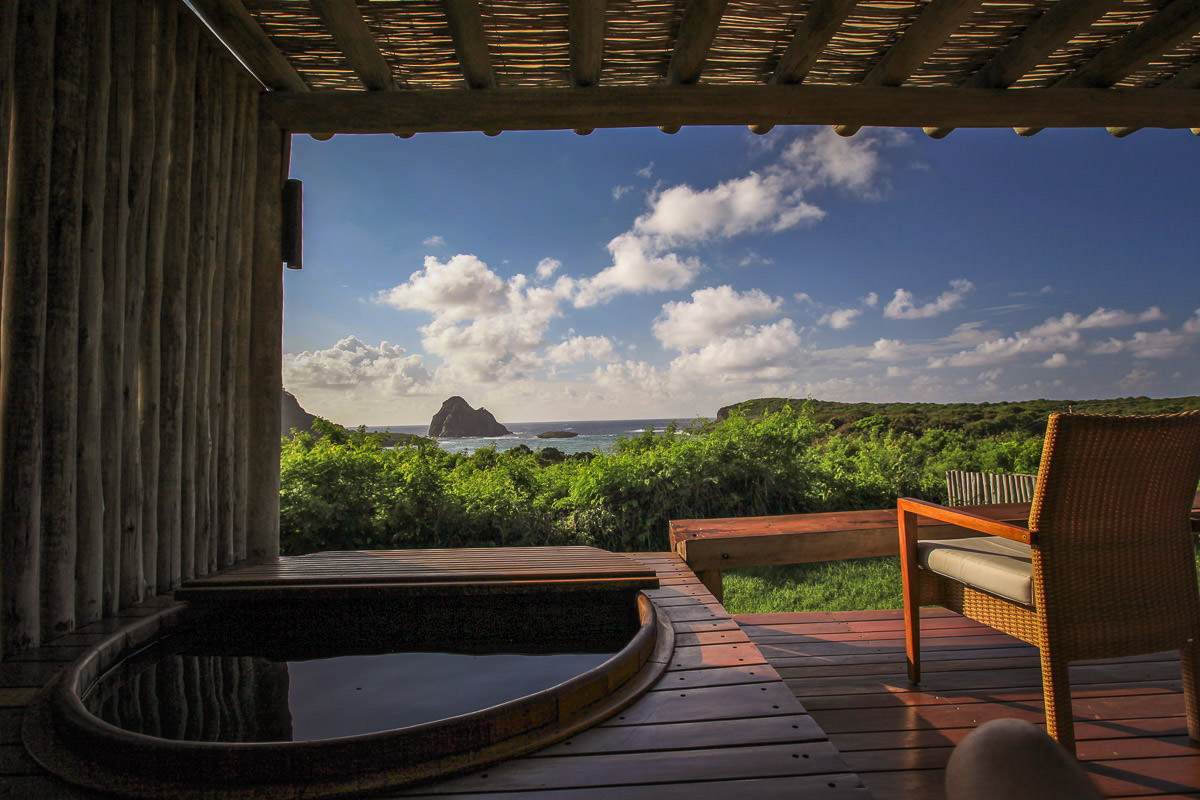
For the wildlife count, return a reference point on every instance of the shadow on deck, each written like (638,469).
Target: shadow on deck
(847,669)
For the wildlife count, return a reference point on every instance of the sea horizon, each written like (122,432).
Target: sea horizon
(591,435)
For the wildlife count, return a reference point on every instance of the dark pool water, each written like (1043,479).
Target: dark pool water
(169,692)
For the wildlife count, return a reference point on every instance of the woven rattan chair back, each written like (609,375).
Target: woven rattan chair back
(978,488)
(1113,547)
(1112,554)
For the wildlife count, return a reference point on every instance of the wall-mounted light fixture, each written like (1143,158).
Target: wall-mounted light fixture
(293,223)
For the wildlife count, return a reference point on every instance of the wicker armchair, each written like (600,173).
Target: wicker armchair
(1104,569)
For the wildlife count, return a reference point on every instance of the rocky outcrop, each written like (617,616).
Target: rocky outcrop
(293,415)
(557,435)
(456,419)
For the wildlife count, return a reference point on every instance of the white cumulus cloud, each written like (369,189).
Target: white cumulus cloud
(353,364)
(459,288)
(840,319)
(712,313)
(763,353)
(903,306)
(547,267)
(768,200)
(755,202)
(1100,318)
(1057,360)
(581,348)
(638,265)
(484,328)
(826,159)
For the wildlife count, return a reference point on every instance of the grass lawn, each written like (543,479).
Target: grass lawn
(853,585)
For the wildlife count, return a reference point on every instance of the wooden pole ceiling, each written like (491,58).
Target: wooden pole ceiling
(348,66)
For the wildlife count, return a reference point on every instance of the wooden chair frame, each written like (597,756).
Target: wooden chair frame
(1112,554)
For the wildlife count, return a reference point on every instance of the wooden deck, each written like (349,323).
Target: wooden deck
(847,669)
(719,723)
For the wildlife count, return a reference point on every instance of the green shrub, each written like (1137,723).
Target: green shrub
(346,490)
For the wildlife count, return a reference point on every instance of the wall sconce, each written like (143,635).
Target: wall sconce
(293,223)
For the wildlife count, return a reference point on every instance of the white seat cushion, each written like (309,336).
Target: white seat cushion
(995,565)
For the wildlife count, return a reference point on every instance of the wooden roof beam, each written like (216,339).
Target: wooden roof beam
(466,29)
(822,21)
(929,32)
(697,30)
(241,33)
(626,107)
(354,38)
(1046,34)
(1186,79)
(1174,23)
(586,28)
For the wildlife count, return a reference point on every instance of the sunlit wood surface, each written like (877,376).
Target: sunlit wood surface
(847,669)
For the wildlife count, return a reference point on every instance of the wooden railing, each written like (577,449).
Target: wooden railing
(710,546)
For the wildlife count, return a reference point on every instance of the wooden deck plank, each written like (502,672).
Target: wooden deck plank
(689,735)
(649,767)
(848,670)
(727,676)
(712,703)
(820,787)
(432,566)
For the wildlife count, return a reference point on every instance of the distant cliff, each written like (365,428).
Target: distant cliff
(293,415)
(456,419)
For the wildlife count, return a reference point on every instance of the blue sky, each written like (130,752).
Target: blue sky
(631,274)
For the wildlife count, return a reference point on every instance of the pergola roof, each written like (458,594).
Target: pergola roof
(405,66)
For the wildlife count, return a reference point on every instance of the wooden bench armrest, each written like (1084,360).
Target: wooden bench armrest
(964,519)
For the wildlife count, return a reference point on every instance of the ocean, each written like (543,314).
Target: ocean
(592,434)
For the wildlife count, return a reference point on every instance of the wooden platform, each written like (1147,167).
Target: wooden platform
(481,570)
(848,671)
(719,723)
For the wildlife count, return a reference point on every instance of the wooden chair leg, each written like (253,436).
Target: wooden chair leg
(912,637)
(910,581)
(1191,687)
(1056,692)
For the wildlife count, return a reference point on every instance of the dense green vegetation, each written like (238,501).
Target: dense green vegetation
(348,490)
(974,419)
(345,490)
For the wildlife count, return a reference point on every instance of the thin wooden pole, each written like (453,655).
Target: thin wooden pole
(150,352)
(141,165)
(219,478)
(8,31)
(89,495)
(266,344)
(116,218)
(236,98)
(206,253)
(191,503)
(61,371)
(24,326)
(173,333)
(245,274)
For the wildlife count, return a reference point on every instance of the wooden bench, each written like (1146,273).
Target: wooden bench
(710,546)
